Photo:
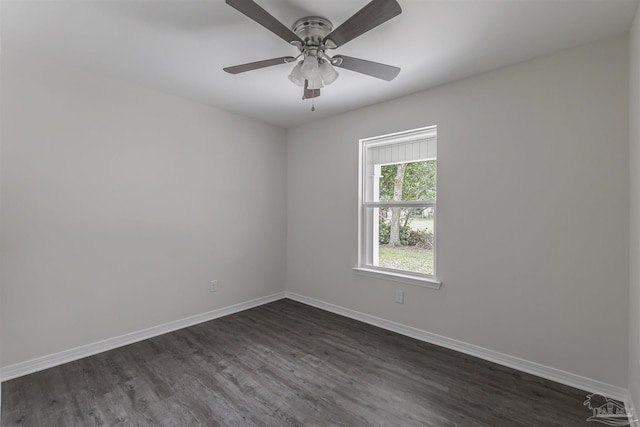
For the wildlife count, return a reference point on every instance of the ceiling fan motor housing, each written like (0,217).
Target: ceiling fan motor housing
(312,30)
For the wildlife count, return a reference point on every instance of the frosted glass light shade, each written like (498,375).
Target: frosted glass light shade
(328,73)
(309,67)
(296,76)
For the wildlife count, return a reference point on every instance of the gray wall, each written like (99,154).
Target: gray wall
(532,215)
(634,162)
(120,204)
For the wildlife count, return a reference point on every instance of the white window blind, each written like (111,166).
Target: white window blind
(411,146)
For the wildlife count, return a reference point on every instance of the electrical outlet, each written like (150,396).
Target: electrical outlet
(399,296)
(214,286)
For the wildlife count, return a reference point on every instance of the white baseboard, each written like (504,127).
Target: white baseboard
(562,377)
(49,361)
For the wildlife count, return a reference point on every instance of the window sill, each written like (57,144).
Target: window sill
(408,279)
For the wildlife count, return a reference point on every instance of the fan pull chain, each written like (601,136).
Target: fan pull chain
(313,105)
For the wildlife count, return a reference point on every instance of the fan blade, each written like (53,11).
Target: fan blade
(373,14)
(259,64)
(264,18)
(370,68)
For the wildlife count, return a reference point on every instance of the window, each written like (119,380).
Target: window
(397,224)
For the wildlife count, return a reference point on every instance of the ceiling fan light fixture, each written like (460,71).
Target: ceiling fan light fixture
(328,73)
(296,76)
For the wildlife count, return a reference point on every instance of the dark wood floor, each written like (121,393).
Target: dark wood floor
(286,364)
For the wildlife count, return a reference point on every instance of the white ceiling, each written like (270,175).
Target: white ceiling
(181,46)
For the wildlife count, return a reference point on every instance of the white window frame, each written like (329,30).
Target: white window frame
(368,218)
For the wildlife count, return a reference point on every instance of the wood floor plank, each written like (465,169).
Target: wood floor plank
(287,364)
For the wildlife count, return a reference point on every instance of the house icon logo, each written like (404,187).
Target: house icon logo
(608,411)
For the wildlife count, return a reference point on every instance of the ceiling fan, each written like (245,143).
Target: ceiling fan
(313,36)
